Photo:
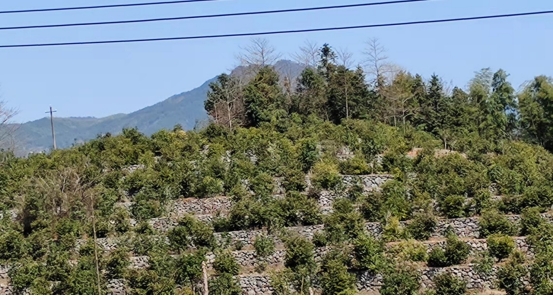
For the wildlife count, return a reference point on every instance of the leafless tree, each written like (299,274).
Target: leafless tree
(7,127)
(344,57)
(65,190)
(258,54)
(308,54)
(225,102)
(376,61)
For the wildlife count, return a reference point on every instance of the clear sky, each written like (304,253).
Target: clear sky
(101,80)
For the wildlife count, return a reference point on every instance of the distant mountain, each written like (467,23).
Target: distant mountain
(185,109)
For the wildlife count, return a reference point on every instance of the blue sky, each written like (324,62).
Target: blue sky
(101,80)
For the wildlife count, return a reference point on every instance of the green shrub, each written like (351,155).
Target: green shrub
(334,276)
(511,275)
(368,254)
(493,222)
(344,223)
(453,206)
(542,238)
(319,239)
(401,280)
(224,284)
(422,226)
(225,263)
(117,263)
(12,245)
(23,274)
(448,284)
(354,166)
(392,230)
(500,246)
(294,180)
(410,250)
(530,221)
(299,253)
(188,269)
(541,273)
(396,201)
(371,207)
(264,246)
(483,263)
(437,258)
(326,175)
(455,252)
(481,201)
(191,232)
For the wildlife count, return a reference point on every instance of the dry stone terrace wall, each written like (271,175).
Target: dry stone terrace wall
(261,284)
(250,259)
(463,227)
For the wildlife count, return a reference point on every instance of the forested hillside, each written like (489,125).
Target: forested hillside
(328,184)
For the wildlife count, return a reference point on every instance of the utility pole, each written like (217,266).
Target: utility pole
(52,124)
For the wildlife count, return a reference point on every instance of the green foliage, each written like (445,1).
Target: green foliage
(410,250)
(354,166)
(188,268)
(401,280)
(225,263)
(422,226)
(455,252)
(448,284)
(23,275)
(368,254)
(437,258)
(299,254)
(541,274)
(453,206)
(326,175)
(264,246)
(530,221)
(12,245)
(345,223)
(224,284)
(117,263)
(392,230)
(500,246)
(190,232)
(334,276)
(493,222)
(511,275)
(483,263)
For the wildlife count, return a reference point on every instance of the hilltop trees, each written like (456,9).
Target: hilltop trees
(536,109)
(480,118)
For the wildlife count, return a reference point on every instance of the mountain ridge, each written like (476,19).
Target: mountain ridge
(186,109)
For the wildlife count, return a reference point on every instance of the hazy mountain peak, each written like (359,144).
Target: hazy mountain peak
(186,109)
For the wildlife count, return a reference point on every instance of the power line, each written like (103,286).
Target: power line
(279,32)
(101,6)
(213,15)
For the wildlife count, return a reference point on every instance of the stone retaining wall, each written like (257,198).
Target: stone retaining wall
(194,206)
(367,282)
(249,258)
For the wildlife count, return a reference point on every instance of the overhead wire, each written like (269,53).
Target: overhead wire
(102,6)
(196,37)
(316,8)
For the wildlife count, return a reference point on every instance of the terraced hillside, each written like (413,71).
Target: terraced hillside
(338,187)
(367,227)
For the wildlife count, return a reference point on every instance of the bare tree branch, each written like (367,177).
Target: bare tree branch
(7,127)
(376,61)
(344,57)
(258,54)
(308,55)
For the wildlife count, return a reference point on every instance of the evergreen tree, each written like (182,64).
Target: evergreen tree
(263,96)
(536,108)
